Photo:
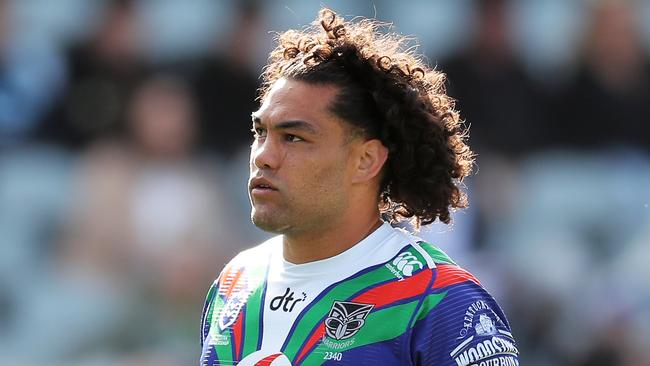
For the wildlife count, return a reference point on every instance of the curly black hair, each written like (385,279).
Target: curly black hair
(388,93)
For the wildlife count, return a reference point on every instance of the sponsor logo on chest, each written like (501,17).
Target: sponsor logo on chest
(287,301)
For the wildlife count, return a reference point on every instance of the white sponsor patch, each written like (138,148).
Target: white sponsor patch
(404,265)
(485,342)
(480,319)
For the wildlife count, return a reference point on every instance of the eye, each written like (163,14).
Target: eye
(258,132)
(292,138)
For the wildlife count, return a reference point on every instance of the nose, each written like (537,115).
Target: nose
(265,154)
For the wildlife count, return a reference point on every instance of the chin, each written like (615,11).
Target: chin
(269,223)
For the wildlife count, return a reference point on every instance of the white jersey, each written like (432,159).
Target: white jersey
(362,304)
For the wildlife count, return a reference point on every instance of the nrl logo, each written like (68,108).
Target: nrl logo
(231,309)
(235,289)
(345,319)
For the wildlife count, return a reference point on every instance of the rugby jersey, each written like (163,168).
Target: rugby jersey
(391,299)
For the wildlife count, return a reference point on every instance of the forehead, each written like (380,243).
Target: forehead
(290,99)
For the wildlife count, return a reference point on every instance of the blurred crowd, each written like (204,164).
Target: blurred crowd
(123,162)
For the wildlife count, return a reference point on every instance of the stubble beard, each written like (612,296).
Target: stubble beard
(319,209)
(294,222)
(272,222)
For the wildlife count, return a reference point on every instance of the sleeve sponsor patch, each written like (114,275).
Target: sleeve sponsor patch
(484,340)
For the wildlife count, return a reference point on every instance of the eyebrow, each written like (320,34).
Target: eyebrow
(291,124)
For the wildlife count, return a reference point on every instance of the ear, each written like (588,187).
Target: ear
(372,156)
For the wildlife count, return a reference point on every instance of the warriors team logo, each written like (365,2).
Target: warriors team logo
(345,319)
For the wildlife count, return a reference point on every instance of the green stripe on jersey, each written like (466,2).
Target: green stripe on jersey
(252,319)
(222,346)
(209,299)
(430,302)
(436,253)
(341,292)
(252,278)
(381,325)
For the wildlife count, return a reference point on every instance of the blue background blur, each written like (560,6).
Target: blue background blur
(123,161)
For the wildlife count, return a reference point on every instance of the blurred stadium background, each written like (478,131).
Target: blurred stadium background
(123,149)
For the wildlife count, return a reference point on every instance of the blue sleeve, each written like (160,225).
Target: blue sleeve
(467,327)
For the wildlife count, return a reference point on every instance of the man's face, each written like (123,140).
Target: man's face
(300,159)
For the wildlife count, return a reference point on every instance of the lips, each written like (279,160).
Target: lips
(259,183)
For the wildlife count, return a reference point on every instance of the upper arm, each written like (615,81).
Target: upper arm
(461,324)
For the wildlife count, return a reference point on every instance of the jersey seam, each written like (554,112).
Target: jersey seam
(430,261)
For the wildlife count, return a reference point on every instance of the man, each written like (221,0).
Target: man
(352,132)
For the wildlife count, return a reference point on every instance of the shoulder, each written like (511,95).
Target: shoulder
(455,287)
(459,322)
(254,256)
(447,271)
(259,251)
(245,268)
(248,263)
(240,277)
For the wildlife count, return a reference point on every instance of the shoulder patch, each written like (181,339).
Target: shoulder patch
(484,339)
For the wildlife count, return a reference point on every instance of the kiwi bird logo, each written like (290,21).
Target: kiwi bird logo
(345,319)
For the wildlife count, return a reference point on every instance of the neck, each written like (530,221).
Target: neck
(329,241)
